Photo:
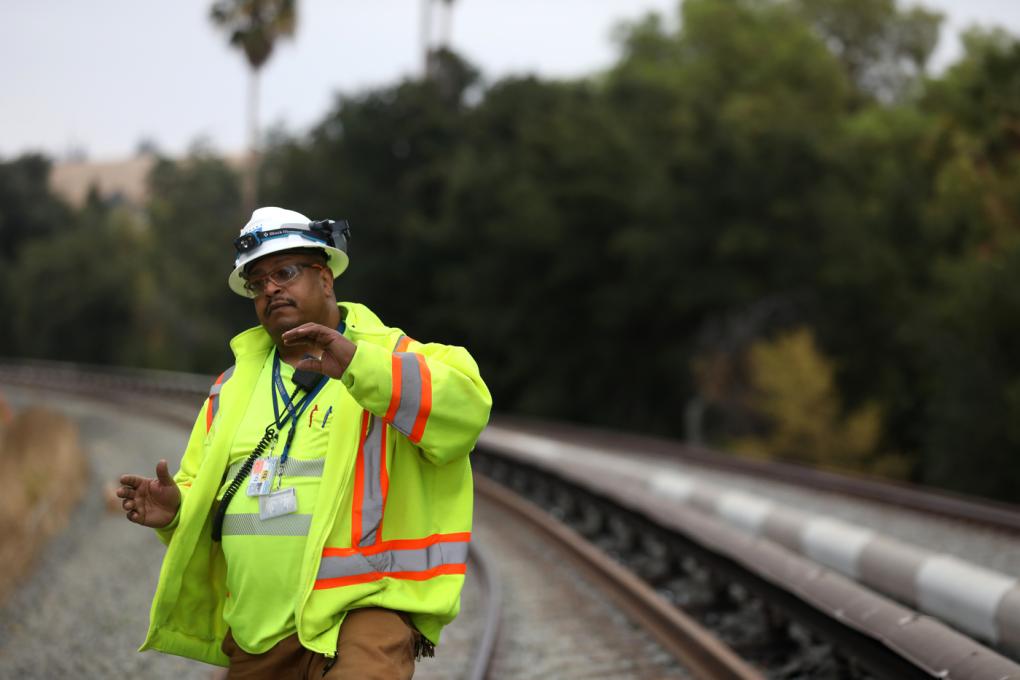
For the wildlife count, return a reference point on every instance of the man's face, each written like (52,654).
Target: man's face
(307,297)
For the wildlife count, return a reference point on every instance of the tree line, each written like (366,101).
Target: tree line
(768,227)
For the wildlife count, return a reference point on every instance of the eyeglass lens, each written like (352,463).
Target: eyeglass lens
(280,277)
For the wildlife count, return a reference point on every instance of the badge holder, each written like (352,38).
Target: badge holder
(278,503)
(263,473)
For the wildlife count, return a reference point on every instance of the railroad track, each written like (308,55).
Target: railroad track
(969,595)
(782,632)
(701,652)
(785,616)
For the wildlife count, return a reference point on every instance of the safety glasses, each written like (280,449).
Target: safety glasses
(281,276)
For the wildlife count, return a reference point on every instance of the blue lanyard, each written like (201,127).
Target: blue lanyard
(294,411)
(281,389)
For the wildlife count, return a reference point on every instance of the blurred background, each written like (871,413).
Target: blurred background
(787,229)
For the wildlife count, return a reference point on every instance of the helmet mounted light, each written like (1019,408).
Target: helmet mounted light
(335,233)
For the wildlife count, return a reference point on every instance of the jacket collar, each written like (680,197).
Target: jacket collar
(359,318)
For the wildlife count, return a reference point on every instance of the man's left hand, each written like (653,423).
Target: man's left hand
(329,352)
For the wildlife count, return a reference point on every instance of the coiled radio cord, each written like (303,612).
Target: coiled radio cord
(221,511)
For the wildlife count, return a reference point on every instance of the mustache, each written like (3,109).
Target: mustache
(278,301)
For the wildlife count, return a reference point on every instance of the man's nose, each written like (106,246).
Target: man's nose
(269,287)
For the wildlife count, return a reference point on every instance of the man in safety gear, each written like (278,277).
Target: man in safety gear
(319,523)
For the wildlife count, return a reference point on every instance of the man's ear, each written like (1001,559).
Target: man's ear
(326,277)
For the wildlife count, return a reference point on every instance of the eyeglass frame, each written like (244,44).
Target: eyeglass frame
(270,276)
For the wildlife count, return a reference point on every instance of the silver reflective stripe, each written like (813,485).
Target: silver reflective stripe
(249,524)
(394,561)
(399,340)
(372,496)
(214,391)
(410,392)
(295,468)
(218,385)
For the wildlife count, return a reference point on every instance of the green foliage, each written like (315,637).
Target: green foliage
(70,296)
(27,208)
(883,49)
(186,308)
(793,388)
(973,404)
(538,195)
(977,106)
(733,146)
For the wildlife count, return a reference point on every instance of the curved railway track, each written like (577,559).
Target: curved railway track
(786,616)
(678,633)
(784,633)
(485,571)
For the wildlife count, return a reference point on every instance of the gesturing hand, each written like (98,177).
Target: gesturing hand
(329,351)
(150,502)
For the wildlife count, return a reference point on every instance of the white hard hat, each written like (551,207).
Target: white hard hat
(271,230)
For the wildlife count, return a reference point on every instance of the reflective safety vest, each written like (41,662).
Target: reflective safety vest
(392,520)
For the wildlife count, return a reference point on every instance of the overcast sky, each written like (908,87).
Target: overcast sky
(102,75)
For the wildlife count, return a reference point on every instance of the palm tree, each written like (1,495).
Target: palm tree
(426,34)
(445,33)
(254,26)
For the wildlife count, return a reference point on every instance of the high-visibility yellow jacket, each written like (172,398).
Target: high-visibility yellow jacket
(393,518)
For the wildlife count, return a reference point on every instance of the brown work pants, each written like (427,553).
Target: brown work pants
(374,644)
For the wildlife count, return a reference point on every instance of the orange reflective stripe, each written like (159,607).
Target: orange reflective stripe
(384,483)
(391,412)
(426,400)
(402,559)
(402,343)
(371,482)
(214,394)
(411,401)
(441,570)
(359,479)
(399,544)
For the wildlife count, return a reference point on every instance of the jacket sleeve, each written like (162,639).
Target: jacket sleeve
(431,393)
(189,468)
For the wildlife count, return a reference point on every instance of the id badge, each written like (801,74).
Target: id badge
(282,502)
(263,471)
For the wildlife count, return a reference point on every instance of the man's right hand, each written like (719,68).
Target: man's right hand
(150,502)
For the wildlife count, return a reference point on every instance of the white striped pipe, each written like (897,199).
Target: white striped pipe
(978,601)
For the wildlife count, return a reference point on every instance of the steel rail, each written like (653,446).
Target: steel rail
(488,578)
(696,648)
